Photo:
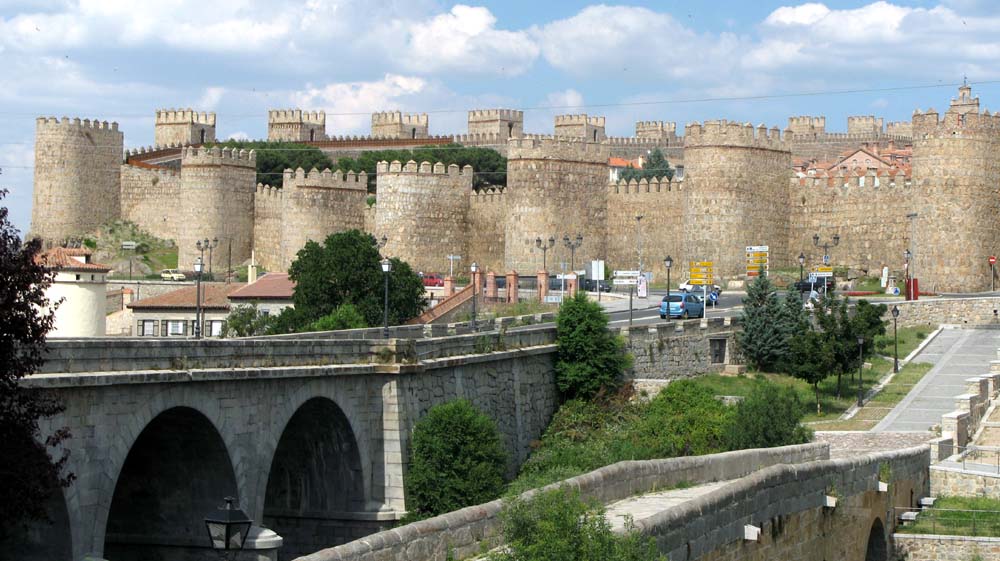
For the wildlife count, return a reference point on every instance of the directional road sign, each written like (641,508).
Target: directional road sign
(626,273)
(701,282)
(702,263)
(754,248)
(625,281)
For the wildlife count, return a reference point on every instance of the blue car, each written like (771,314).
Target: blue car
(684,305)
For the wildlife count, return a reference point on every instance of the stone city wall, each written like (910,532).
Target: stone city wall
(956,311)
(486,222)
(423,211)
(914,547)
(868,212)
(77,182)
(268,213)
(954,482)
(681,349)
(661,204)
(182,127)
(149,197)
(465,533)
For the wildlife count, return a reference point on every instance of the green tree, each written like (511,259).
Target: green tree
(842,331)
(489,166)
(456,460)
(770,416)
(810,358)
(763,340)
(246,321)
(273,158)
(558,525)
(29,472)
(589,358)
(684,419)
(345,269)
(345,316)
(656,166)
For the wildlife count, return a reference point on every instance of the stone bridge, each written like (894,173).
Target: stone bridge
(309,434)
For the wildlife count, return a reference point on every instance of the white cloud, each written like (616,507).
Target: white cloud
(806,14)
(565,101)
(351,103)
(211,98)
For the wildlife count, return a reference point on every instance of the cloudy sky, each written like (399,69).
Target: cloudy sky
(679,61)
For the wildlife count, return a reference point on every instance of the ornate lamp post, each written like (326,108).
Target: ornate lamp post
(861,363)
(214,244)
(475,291)
(199,267)
(572,245)
(895,339)
(228,529)
(668,263)
(802,262)
(545,247)
(386,269)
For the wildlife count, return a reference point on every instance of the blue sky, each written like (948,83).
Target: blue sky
(120,60)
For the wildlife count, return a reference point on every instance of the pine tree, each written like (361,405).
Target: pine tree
(763,340)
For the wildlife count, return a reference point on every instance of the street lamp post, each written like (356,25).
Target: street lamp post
(199,268)
(545,247)
(802,262)
(572,245)
(861,363)
(638,237)
(475,290)
(386,269)
(668,263)
(214,244)
(228,529)
(895,339)
(906,278)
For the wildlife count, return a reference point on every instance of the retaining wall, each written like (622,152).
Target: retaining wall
(954,482)
(958,311)
(914,547)
(681,349)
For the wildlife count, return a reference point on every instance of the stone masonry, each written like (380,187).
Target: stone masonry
(181,127)
(295,125)
(396,124)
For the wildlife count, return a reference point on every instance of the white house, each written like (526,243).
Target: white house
(78,292)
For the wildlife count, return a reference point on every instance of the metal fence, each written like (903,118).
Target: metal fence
(949,521)
(981,457)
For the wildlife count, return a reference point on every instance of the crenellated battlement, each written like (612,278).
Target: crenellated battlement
(865,124)
(847,178)
(481,139)
(899,129)
(644,186)
(807,124)
(725,133)
(399,118)
(77,123)
(145,150)
(160,170)
(326,179)
(643,141)
(955,123)
(478,115)
(424,168)
(184,117)
(216,156)
(655,129)
(582,119)
(492,196)
(296,116)
(557,148)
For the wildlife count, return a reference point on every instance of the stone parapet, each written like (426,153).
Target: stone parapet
(184,116)
(725,133)
(557,148)
(930,547)
(215,156)
(296,116)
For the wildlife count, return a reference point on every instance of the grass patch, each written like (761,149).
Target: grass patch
(521,308)
(909,339)
(959,516)
(161,258)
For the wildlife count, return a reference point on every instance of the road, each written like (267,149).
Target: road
(647,312)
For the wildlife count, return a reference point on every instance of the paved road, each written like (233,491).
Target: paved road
(956,354)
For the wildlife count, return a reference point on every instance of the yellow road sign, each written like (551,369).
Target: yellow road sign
(701,270)
(756,254)
(822,269)
(757,260)
(701,282)
(701,276)
(702,263)
(753,267)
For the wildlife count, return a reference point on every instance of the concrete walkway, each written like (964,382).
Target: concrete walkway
(640,507)
(956,354)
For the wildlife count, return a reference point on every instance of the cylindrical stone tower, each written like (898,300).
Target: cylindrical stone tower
(216,202)
(422,211)
(77,177)
(555,187)
(956,178)
(736,182)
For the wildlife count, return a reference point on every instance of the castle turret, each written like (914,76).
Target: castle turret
(659,130)
(181,127)
(865,124)
(77,177)
(216,202)
(806,124)
(422,210)
(585,127)
(555,187)
(395,124)
(955,175)
(736,194)
(296,125)
(501,123)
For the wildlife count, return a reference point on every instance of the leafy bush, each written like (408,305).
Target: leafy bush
(684,419)
(589,358)
(559,525)
(345,316)
(456,460)
(770,416)
(246,321)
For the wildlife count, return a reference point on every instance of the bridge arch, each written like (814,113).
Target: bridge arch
(177,470)
(316,491)
(878,547)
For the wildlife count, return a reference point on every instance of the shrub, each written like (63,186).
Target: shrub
(589,359)
(560,526)
(770,416)
(684,419)
(345,316)
(246,321)
(456,460)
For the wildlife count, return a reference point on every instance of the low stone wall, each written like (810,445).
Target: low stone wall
(913,547)
(954,482)
(465,532)
(957,311)
(681,349)
(142,289)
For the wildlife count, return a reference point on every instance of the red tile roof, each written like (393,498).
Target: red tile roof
(215,296)
(272,286)
(63,258)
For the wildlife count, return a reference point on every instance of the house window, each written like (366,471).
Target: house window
(176,328)
(215,328)
(78,277)
(717,350)
(146,328)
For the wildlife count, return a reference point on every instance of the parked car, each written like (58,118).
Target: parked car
(591,285)
(806,286)
(684,305)
(686,286)
(172,275)
(433,279)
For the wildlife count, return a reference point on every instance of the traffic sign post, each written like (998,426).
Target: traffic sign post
(757,260)
(993,278)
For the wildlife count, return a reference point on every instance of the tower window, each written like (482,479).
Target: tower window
(413,132)
(203,136)
(312,135)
